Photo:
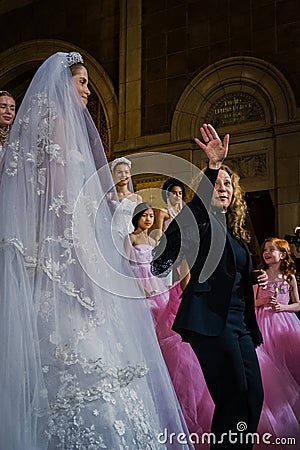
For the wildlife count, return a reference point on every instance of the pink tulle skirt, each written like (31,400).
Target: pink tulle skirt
(185,371)
(281,408)
(281,334)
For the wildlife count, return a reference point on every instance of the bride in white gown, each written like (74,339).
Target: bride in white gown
(80,364)
(123,199)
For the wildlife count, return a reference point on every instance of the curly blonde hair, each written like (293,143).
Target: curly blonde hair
(237,210)
(287,265)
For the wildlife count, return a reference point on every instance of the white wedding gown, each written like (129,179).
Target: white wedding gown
(80,364)
(122,215)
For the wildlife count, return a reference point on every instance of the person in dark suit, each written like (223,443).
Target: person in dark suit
(216,315)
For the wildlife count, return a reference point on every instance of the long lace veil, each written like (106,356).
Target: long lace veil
(80,364)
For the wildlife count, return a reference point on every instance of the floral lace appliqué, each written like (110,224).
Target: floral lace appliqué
(75,422)
(46,111)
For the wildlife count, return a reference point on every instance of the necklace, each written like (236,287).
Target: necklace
(4,131)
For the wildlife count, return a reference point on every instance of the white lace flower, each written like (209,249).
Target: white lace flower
(120,427)
(53,151)
(53,338)
(119,347)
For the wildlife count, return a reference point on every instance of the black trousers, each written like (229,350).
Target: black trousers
(231,370)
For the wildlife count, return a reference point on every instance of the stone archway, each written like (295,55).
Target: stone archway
(249,75)
(252,100)
(26,57)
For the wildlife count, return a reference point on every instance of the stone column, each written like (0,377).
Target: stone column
(130,70)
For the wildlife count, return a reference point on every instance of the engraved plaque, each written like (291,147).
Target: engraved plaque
(234,109)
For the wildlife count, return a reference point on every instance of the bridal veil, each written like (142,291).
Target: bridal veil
(80,364)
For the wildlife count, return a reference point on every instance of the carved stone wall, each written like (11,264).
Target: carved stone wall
(250,166)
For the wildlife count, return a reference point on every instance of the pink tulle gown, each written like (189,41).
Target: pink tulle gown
(140,258)
(185,371)
(280,330)
(279,358)
(281,409)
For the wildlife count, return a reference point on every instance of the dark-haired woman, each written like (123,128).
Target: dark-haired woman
(173,193)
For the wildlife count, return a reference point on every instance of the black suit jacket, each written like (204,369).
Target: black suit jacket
(205,301)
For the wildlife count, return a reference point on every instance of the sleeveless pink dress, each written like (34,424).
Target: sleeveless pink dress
(281,409)
(280,330)
(140,258)
(279,358)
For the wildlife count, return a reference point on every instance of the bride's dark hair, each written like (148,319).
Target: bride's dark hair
(75,68)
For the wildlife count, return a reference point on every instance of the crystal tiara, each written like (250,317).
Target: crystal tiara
(74,58)
(121,160)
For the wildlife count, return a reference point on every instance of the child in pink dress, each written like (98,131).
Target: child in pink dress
(138,247)
(276,306)
(279,355)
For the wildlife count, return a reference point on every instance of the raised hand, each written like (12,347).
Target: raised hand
(215,149)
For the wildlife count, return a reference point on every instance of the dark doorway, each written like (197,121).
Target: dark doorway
(261,218)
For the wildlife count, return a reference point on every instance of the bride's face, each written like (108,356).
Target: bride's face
(121,174)
(81,80)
